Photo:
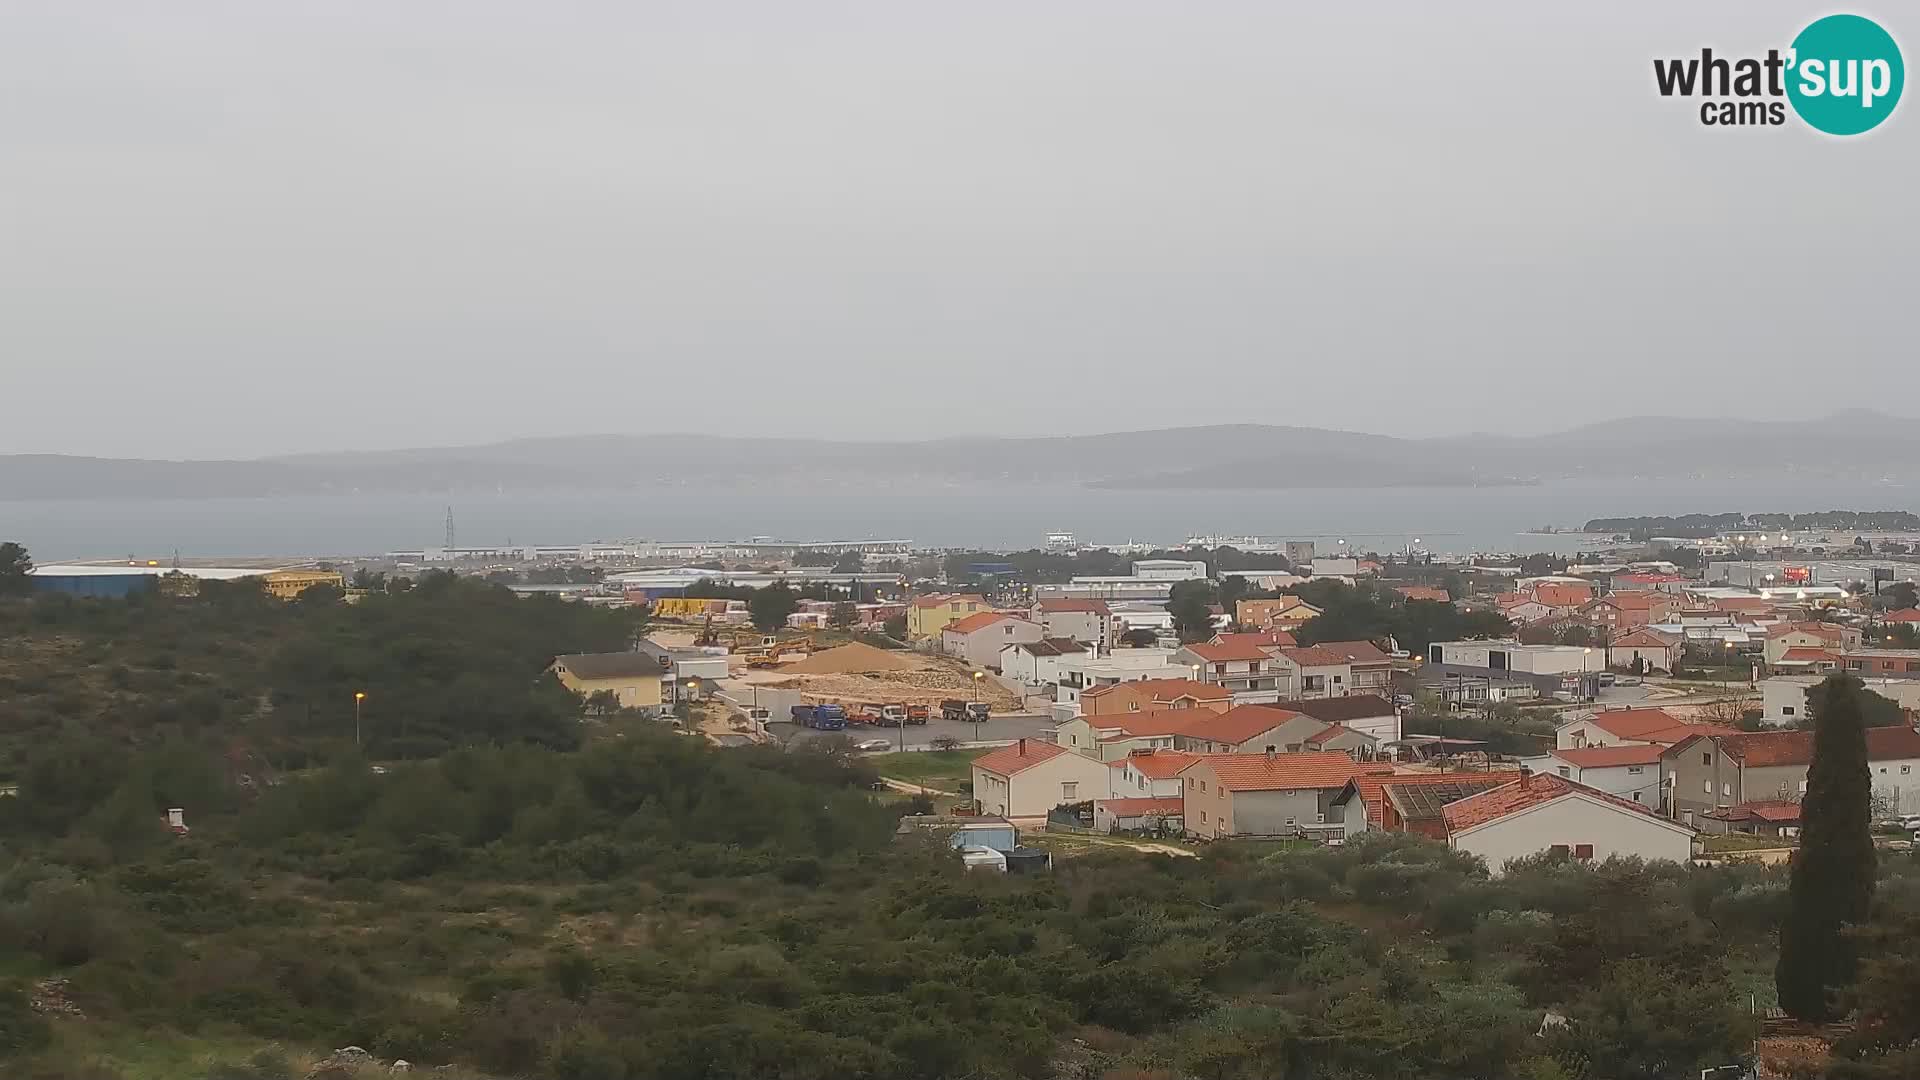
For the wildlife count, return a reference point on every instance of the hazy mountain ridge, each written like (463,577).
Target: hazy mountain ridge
(1231,457)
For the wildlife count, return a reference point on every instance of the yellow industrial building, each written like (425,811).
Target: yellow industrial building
(287,584)
(928,615)
(634,678)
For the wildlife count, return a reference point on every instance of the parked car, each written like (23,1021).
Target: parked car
(871,745)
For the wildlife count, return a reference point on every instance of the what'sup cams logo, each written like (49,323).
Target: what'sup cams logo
(1842,75)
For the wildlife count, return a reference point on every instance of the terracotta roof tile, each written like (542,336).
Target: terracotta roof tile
(1280,772)
(1762,749)
(1316,656)
(1357,652)
(1373,786)
(1524,794)
(1238,724)
(1424,592)
(1156,764)
(1147,722)
(979,620)
(1163,689)
(1019,757)
(1229,652)
(1806,654)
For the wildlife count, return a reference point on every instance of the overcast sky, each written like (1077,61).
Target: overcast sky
(245,228)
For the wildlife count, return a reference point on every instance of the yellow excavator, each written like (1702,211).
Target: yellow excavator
(770,657)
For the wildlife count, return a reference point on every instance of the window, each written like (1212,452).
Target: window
(1706,758)
(1726,790)
(1557,849)
(1564,771)
(1203,815)
(1905,769)
(1290,821)
(1319,819)
(1270,749)
(1636,796)
(1220,793)
(1803,787)
(1634,770)
(1583,851)
(1786,710)
(1706,786)
(1069,792)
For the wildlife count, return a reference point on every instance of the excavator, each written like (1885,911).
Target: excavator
(770,657)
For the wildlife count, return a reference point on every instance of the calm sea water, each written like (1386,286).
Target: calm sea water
(1447,519)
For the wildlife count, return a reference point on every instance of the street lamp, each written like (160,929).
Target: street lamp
(693,689)
(977,676)
(358,697)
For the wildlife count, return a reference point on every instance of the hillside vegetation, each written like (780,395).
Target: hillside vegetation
(508,899)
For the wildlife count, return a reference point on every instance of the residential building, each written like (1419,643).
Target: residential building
(1152,694)
(1649,581)
(928,615)
(1369,671)
(1412,802)
(1089,622)
(1649,648)
(633,678)
(1320,671)
(1624,611)
(287,584)
(1037,663)
(1336,567)
(1367,714)
(1522,608)
(1629,770)
(1562,595)
(686,670)
(979,637)
(1809,635)
(1115,735)
(1884,663)
(1268,795)
(1241,667)
(1630,727)
(1536,814)
(1155,815)
(1907,616)
(1423,592)
(1031,777)
(1357,745)
(1148,773)
(1080,673)
(1709,772)
(1283,613)
(1783,698)
(1801,660)
(1249,729)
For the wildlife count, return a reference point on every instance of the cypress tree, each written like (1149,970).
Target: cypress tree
(1832,883)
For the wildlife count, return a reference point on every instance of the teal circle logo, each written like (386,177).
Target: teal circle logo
(1845,74)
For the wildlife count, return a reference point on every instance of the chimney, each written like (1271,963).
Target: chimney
(1023,748)
(1270,755)
(1526,778)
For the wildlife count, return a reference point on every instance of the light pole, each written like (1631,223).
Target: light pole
(358,697)
(977,676)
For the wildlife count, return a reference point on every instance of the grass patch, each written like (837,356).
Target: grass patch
(946,769)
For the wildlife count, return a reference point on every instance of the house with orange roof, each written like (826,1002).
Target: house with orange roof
(1151,694)
(1809,635)
(1412,801)
(1522,607)
(1321,671)
(1148,773)
(1562,596)
(1712,770)
(1243,667)
(1803,660)
(1268,795)
(1369,669)
(1639,727)
(1112,736)
(1538,814)
(1654,650)
(1904,615)
(1622,611)
(1630,770)
(1030,777)
(1250,729)
(979,637)
(1287,612)
(928,615)
(1423,592)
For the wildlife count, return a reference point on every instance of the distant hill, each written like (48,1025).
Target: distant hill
(1855,444)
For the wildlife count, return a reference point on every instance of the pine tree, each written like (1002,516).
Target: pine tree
(1832,884)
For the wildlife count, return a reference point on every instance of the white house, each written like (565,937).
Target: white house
(1515,657)
(1031,777)
(979,637)
(1651,648)
(1078,673)
(1148,773)
(1536,814)
(1629,770)
(1037,663)
(1238,665)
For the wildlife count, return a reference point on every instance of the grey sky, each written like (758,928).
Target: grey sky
(253,227)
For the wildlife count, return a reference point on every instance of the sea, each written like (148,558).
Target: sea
(1442,520)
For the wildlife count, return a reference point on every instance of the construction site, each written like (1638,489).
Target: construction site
(850,673)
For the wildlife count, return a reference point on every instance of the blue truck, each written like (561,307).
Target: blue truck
(821,717)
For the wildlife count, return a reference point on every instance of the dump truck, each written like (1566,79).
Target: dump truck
(820,717)
(918,714)
(956,709)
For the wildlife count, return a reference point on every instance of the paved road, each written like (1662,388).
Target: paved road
(1000,729)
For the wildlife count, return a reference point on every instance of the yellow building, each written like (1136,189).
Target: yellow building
(634,678)
(928,615)
(287,584)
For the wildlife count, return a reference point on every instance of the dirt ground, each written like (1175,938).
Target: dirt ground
(930,680)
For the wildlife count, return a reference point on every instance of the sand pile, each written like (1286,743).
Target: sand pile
(852,659)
